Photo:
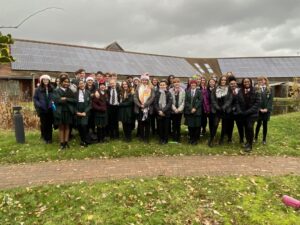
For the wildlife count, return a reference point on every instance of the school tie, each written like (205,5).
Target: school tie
(113,97)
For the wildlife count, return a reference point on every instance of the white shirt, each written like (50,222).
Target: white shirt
(116,96)
(81,96)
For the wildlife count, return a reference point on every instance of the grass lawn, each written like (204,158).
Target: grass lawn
(198,200)
(283,139)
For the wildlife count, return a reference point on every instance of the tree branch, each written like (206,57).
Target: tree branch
(28,17)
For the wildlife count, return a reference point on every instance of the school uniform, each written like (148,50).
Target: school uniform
(64,113)
(143,114)
(153,116)
(91,122)
(163,102)
(193,99)
(234,117)
(221,100)
(178,99)
(206,108)
(101,116)
(83,104)
(247,106)
(126,115)
(264,117)
(43,104)
(113,111)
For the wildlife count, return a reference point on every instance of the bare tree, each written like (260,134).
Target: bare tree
(28,17)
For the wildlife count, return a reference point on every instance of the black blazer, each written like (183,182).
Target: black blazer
(168,108)
(195,102)
(248,108)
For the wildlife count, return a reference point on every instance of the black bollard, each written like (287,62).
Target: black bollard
(19,125)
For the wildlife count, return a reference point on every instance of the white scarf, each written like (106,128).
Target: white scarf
(221,91)
(162,99)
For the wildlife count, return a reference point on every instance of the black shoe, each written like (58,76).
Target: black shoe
(221,142)
(67,145)
(255,140)
(210,143)
(62,146)
(241,141)
(248,148)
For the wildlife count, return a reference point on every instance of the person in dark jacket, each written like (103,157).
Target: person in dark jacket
(99,104)
(211,85)
(265,108)
(248,106)
(221,99)
(113,94)
(43,100)
(65,102)
(192,112)
(178,97)
(233,116)
(143,98)
(163,106)
(205,105)
(83,107)
(126,110)
(91,87)
(153,116)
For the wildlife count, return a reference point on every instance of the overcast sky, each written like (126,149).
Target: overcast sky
(191,28)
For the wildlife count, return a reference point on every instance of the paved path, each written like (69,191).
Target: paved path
(28,175)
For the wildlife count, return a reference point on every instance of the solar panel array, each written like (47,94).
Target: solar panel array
(268,66)
(53,57)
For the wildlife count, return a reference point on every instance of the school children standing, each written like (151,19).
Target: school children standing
(163,106)
(126,110)
(83,107)
(113,93)
(43,99)
(248,106)
(143,99)
(99,104)
(192,112)
(178,99)
(234,116)
(221,99)
(265,107)
(65,103)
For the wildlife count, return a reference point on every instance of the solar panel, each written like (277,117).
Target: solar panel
(253,67)
(53,57)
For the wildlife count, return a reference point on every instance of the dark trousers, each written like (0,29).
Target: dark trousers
(91,124)
(101,133)
(113,112)
(46,120)
(176,122)
(144,129)
(248,125)
(194,134)
(154,123)
(83,131)
(239,124)
(225,125)
(163,128)
(204,122)
(265,128)
(127,129)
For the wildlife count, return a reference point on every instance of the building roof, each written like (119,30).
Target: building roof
(43,56)
(258,66)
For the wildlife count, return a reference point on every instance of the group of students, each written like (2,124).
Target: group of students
(98,103)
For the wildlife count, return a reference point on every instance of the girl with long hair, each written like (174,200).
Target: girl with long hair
(65,102)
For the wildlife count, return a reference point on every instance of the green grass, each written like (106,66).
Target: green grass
(283,139)
(199,200)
